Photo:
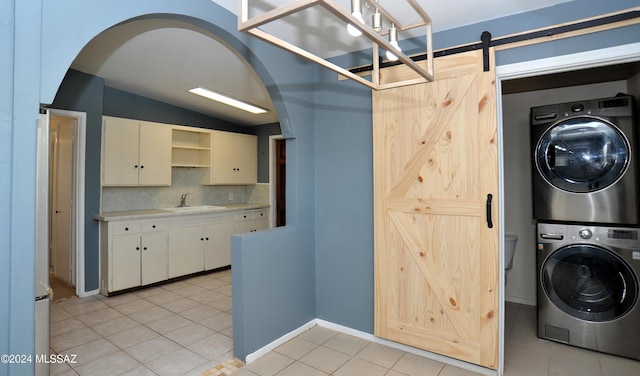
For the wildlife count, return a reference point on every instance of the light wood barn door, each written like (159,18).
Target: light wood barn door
(436,259)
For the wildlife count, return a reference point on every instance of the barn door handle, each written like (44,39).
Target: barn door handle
(489,222)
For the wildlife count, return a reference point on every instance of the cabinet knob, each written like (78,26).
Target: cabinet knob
(126,228)
(141,166)
(137,248)
(201,239)
(207,238)
(135,166)
(144,249)
(154,226)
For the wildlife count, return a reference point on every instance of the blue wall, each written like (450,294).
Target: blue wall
(320,265)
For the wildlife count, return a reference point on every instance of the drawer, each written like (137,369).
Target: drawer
(121,228)
(261,214)
(246,215)
(153,226)
(249,215)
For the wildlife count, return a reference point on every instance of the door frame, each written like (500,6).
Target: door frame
(79,148)
(272,178)
(563,63)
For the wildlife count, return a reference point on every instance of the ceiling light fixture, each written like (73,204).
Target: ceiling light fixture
(215,96)
(376,20)
(393,40)
(375,33)
(356,11)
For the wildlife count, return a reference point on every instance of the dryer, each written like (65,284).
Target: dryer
(584,161)
(588,287)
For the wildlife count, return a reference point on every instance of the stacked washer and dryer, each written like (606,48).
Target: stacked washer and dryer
(587,207)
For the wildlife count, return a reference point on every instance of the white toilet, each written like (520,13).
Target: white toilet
(510,241)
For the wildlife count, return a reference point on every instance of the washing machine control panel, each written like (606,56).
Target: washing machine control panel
(585,233)
(619,237)
(623,238)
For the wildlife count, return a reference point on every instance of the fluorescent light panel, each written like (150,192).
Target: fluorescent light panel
(215,96)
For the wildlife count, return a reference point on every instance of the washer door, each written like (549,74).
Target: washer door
(589,283)
(582,154)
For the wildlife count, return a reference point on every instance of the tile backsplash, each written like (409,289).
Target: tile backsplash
(183,180)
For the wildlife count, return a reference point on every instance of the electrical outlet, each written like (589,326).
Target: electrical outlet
(230,196)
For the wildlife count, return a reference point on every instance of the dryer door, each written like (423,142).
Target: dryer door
(589,282)
(582,154)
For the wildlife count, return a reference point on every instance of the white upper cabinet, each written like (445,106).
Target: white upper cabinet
(135,153)
(234,159)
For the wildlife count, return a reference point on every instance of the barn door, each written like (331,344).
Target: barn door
(436,186)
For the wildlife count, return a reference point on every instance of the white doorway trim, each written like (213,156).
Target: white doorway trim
(272,178)
(563,63)
(79,146)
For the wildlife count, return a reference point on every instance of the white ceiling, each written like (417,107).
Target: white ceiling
(161,59)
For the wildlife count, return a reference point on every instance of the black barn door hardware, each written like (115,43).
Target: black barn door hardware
(512,39)
(489,220)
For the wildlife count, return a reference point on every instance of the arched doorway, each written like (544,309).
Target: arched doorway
(60,98)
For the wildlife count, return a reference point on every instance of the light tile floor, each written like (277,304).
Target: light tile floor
(320,352)
(184,328)
(180,328)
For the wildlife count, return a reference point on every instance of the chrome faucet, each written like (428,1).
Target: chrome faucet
(183,200)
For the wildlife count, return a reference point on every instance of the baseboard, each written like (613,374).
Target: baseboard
(519,300)
(84,294)
(371,338)
(278,342)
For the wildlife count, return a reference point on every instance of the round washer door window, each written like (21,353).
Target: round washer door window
(582,154)
(589,283)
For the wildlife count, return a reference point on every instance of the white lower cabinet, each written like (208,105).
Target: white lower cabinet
(136,254)
(199,243)
(251,220)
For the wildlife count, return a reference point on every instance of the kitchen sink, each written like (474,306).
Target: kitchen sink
(197,208)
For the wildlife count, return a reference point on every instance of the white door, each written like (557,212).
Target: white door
(120,138)
(186,254)
(126,262)
(155,154)
(62,131)
(217,250)
(154,258)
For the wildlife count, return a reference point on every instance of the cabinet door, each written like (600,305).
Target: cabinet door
(125,267)
(155,154)
(234,158)
(186,251)
(223,167)
(217,250)
(120,152)
(246,159)
(154,257)
(260,224)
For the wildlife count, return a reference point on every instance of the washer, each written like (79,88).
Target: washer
(584,162)
(588,287)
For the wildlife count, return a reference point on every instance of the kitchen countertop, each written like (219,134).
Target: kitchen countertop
(158,213)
